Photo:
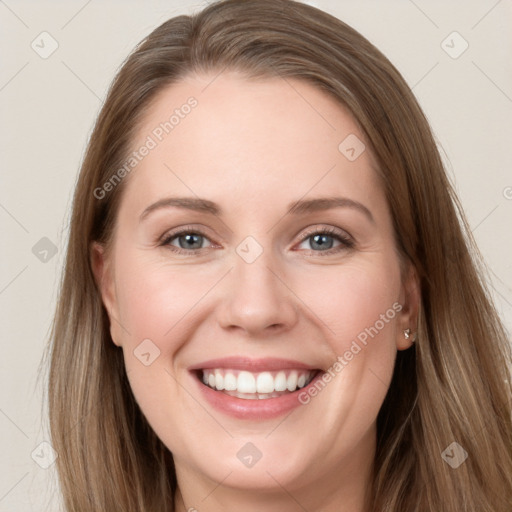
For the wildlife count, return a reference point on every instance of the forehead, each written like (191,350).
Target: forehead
(242,140)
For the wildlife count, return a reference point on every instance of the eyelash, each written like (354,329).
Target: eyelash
(346,242)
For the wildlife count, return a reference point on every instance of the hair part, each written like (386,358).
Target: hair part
(453,385)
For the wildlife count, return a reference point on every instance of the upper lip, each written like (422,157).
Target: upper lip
(252,365)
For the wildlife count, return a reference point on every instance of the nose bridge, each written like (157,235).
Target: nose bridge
(256,299)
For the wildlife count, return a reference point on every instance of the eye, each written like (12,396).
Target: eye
(190,241)
(322,241)
(185,241)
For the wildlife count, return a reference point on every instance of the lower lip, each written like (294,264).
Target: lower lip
(254,409)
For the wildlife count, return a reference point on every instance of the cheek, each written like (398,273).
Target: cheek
(358,310)
(355,302)
(156,308)
(155,299)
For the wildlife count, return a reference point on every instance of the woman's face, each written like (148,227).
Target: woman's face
(254,250)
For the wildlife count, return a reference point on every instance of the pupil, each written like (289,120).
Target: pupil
(190,241)
(320,241)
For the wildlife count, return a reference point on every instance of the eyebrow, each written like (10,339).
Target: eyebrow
(326,203)
(299,207)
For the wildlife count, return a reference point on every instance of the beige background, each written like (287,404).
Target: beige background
(48,107)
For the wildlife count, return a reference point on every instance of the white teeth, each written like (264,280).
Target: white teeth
(230,382)
(262,385)
(291,383)
(219,381)
(265,383)
(280,382)
(246,383)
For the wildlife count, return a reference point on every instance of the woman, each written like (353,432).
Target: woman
(269,302)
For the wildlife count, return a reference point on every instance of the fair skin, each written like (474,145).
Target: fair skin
(254,147)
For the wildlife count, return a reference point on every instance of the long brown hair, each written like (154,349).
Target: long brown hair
(453,386)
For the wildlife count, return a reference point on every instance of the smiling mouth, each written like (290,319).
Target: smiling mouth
(256,385)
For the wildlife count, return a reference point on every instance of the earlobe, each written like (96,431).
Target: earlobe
(407,327)
(102,271)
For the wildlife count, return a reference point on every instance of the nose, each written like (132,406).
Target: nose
(256,300)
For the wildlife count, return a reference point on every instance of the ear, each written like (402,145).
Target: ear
(410,302)
(104,276)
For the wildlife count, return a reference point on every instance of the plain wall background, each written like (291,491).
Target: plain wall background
(48,106)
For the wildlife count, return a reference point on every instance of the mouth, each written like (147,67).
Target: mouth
(254,389)
(256,386)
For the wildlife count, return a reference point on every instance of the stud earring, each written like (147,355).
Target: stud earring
(407,335)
